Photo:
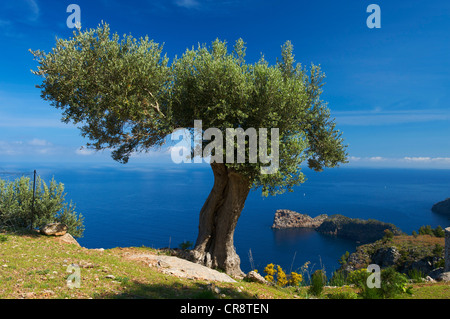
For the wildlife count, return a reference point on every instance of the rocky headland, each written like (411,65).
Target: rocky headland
(285,218)
(363,231)
(442,207)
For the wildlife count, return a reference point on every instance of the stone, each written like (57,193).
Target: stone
(181,268)
(54,229)
(445,276)
(435,273)
(386,257)
(255,277)
(68,239)
(285,218)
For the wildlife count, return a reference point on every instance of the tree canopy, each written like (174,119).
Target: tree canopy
(125,95)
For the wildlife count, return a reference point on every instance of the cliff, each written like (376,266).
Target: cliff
(404,253)
(285,218)
(364,231)
(442,207)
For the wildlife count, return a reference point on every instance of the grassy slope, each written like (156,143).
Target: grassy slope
(34,266)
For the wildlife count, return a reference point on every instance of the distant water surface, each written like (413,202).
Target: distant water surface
(158,206)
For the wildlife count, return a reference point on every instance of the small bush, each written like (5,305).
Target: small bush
(416,275)
(338,279)
(270,271)
(393,283)
(281,277)
(295,279)
(17,209)
(318,281)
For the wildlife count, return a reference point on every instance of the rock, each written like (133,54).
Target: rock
(435,273)
(386,257)
(68,239)
(181,268)
(255,277)
(110,277)
(429,279)
(285,218)
(54,229)
(442,207)
(364,231)
(445,276)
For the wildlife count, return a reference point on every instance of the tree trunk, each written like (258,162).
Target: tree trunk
(218,218)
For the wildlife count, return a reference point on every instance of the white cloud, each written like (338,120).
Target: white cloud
(26,148)
(39,142)
(84,152)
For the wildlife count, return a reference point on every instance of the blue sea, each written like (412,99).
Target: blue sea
(158,205)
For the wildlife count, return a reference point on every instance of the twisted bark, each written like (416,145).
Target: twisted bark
(218,218)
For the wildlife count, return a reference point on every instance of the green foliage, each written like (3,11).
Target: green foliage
(185,245)
(344,258)
(125,96)
(3,238)
(17,209)
(416,275)
(358,277)
(393,284)
(438,250)
(388,235)
(318,281)
(439,231)
(342,295)
(338,279)
(428,230)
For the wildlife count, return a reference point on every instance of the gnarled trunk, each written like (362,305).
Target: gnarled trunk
(218,218)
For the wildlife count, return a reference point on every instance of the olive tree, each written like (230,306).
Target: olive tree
(126,96)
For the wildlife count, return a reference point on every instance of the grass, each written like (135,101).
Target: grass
(35,266)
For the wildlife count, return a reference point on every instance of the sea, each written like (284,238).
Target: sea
(158,205)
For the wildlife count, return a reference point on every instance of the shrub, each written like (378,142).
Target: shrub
(270,271)
(17,209)
(439,232)
(281,277)
(416,275)
(318,281)
(295,279)
(344,258)
(358,277)
(338,279)
(388,235)
(393,283)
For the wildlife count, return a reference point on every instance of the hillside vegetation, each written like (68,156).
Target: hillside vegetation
(35,266)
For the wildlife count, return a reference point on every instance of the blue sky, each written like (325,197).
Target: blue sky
(388,88)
